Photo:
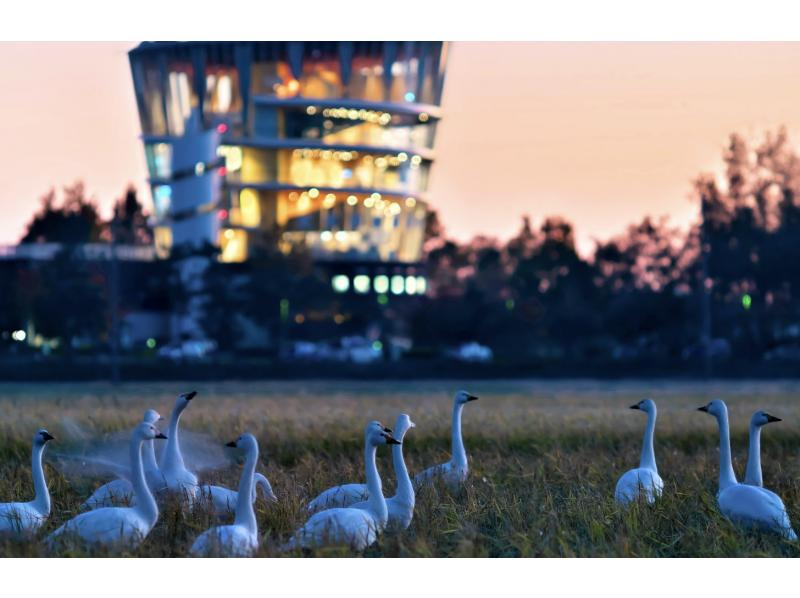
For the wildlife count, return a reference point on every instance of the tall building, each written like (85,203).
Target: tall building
(330,143)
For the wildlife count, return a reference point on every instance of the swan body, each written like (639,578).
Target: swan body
(353,527)
(338,496)
(744,505)
(454,472)
(25,517)
(752,475)
(400,506)
(223,500)
(241,538)
(174,477)
(124,526)
(120,491)
(644,481)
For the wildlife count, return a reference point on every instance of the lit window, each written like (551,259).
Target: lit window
(398,284)
(422,285)
(232,155)
(340,283)
(233,245)
(361,283)
(381,284)
(410,97)
(224,94)
(411,285)
(249,208)
(326,236)
(162,200)
(163,241)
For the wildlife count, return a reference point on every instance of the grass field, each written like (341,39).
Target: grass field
(544,459)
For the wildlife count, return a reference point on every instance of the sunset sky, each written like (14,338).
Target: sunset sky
(600,133)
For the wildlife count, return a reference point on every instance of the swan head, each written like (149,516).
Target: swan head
(717,408)
(148,432)
(245,441)
(403,425)
(376,434)
(762,418)
(463,397)
(647,405)
(183,399)
(152,416)
(42,437)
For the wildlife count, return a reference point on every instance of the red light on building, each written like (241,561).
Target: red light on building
(222,214)
(223,171)
(222,128)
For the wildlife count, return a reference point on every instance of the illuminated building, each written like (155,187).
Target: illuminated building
(331,143)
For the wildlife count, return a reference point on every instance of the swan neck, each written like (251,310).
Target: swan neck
(459,453)
(149,456)
(648,460)
(172,457)
(376,501)
(41,500)
(145,503)
(752,474)
(727,477)
(245,514)
(405,490)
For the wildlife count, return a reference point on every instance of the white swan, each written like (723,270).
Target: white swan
(752,474)
(241,538)
(644,481)
(121,490)
(455,471)
(174,477)
(401,505)
(341,496)
(357,528)
(223,500)
(21,517)
(746,506)
(126,526)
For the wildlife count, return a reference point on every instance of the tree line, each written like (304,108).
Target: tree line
(723,290)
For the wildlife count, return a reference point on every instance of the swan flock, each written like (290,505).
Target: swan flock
(122,512)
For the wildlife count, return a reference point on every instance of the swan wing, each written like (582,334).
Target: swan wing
(107,526)
(339,526)
(110,494)
(752,506)
(223,500)
(339,496)
(638,483)
(20,517)
(225,540)
(429,475)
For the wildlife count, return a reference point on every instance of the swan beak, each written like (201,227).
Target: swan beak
(48,437)
(636,406)
(703,408)
(390,440)
(387,430)
(772,418)
(161,436)
(231,444)
(472,398)
(190,395)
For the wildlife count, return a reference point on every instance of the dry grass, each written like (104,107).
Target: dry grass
(544,458)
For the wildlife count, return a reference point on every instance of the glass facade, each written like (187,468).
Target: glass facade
(330,143)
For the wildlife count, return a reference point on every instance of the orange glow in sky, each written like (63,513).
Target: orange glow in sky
(600,133)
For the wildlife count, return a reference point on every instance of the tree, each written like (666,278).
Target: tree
(76,220)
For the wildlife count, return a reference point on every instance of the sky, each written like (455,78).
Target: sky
(600,133)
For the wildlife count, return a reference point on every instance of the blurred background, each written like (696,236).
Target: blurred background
(410,209)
